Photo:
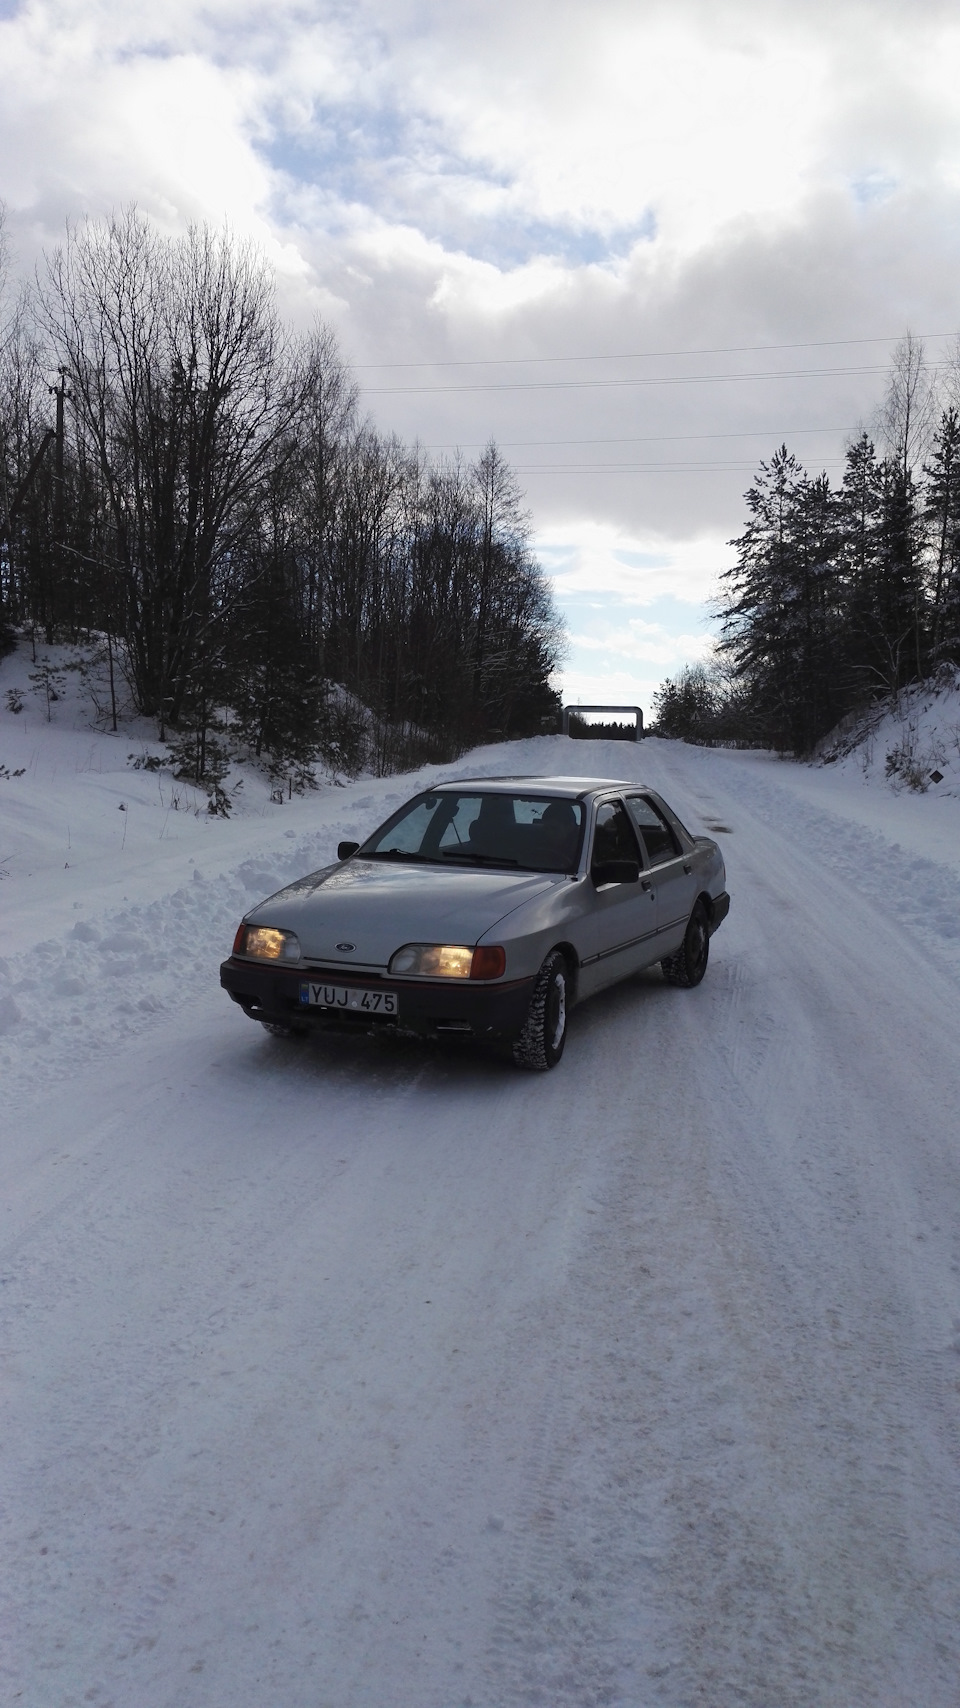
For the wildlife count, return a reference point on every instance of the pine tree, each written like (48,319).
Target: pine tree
(942,516)
(900,597)
(860,527)
(758,610)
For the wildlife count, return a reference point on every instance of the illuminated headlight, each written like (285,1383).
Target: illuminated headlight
(433,960)
(267,944)
(447,961)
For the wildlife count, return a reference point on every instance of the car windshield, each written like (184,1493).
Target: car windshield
(534,833)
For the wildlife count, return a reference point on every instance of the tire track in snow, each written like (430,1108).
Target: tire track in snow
(920,894)
(769,1505)
(837,1162)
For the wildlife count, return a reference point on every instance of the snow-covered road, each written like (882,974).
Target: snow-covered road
(361,1376)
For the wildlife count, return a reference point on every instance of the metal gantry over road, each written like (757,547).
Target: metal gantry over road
(615,712)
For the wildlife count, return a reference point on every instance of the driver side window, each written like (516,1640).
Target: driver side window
(612,838)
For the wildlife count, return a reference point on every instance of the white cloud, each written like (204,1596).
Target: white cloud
(597,558)
(86,127)
(611,688)
(653,647)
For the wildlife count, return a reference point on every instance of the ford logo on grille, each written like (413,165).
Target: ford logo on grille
(345,948)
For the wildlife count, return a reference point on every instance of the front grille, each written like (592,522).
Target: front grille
(336,970)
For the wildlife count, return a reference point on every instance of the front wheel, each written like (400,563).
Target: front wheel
(689,964)
(540,1044)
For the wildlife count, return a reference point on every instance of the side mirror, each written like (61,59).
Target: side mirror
(615,872)
(345,849)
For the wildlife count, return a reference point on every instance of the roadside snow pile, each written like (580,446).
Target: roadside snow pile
(108,975)
(911,741)
(57,709)
(158,883)
(901,854)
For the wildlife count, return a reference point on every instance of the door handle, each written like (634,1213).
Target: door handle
(687,868)
(645,884)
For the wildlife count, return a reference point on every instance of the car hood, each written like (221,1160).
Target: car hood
(378,907)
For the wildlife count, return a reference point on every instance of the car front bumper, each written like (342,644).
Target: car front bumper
(427,1007)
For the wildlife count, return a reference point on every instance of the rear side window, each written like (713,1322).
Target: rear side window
(658,838)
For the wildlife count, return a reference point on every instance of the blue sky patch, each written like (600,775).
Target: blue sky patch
(633,649)
(873,187)
(402,168)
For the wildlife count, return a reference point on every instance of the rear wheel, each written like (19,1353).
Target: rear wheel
(540,1044)
(689,964)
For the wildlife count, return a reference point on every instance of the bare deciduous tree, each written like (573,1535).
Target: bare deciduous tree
(183,385)
(906,417)
(228,518)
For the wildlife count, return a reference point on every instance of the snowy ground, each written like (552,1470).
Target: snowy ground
(910,741)
(360,1374)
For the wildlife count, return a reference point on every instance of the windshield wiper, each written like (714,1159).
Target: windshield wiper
(478,859)
(396,854)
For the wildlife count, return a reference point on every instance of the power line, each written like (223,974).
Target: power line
(648,468)
(643,355)
(607,385)
(779,433)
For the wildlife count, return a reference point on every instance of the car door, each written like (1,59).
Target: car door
(622,923)
(669,869)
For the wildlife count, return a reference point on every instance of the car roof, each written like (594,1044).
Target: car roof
(569,788)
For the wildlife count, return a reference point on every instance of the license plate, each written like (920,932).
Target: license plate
(348,997)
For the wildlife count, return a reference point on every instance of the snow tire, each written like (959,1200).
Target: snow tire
(540,1044)
(688,965)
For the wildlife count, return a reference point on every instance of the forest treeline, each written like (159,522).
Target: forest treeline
(191,483)
(838,595)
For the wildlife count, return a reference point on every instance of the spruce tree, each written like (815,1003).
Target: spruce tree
(942,516)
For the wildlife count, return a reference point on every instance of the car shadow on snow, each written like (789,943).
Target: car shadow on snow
(388,1060)
(382,1059)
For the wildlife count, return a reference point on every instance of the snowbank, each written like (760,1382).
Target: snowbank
(911,741)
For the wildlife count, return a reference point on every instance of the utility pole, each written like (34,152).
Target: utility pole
(61,393)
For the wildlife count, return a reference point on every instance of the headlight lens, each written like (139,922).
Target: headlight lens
(433,960)
(266,943)
(448,961)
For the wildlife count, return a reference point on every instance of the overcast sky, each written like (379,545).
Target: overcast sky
(572,225)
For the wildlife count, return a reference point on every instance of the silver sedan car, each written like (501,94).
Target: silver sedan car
(487,907)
